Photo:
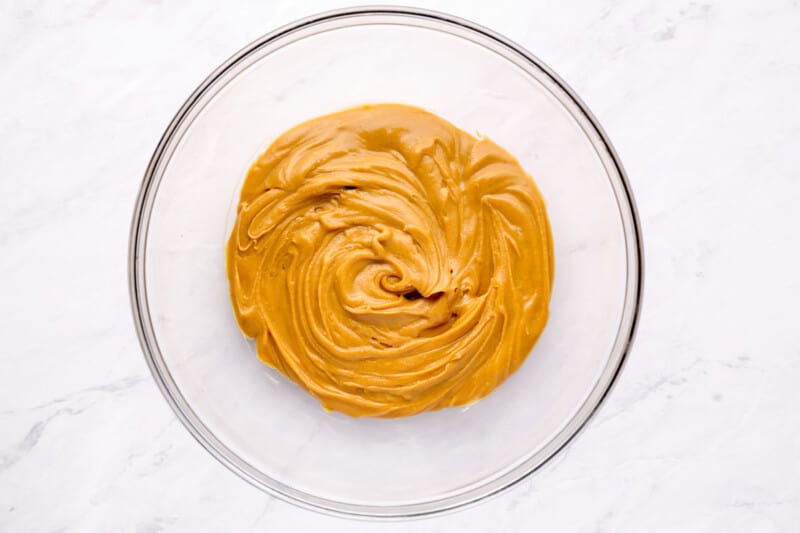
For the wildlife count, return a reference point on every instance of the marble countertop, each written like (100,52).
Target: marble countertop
(702,431)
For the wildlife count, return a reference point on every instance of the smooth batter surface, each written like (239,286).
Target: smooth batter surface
(390,263)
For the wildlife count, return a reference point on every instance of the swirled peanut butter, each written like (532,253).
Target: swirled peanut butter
(390,263)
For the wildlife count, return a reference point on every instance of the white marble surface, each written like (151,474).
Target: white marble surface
(702,432)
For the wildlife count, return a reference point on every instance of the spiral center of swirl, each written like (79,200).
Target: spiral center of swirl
(390,263)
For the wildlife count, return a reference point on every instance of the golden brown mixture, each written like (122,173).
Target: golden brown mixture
(390,263)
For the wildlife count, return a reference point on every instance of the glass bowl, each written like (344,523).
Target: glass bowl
(265,428)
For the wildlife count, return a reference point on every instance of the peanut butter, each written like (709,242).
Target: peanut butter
(390,263)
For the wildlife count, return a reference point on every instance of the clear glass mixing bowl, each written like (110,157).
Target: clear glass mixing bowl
(268,430)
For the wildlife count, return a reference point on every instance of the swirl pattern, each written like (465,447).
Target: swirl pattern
(390,263)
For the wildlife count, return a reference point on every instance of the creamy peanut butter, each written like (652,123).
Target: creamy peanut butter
(390,263)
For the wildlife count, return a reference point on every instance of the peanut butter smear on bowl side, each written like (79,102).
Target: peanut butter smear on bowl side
(390,263)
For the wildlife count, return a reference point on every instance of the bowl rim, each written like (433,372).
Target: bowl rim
(141,316)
